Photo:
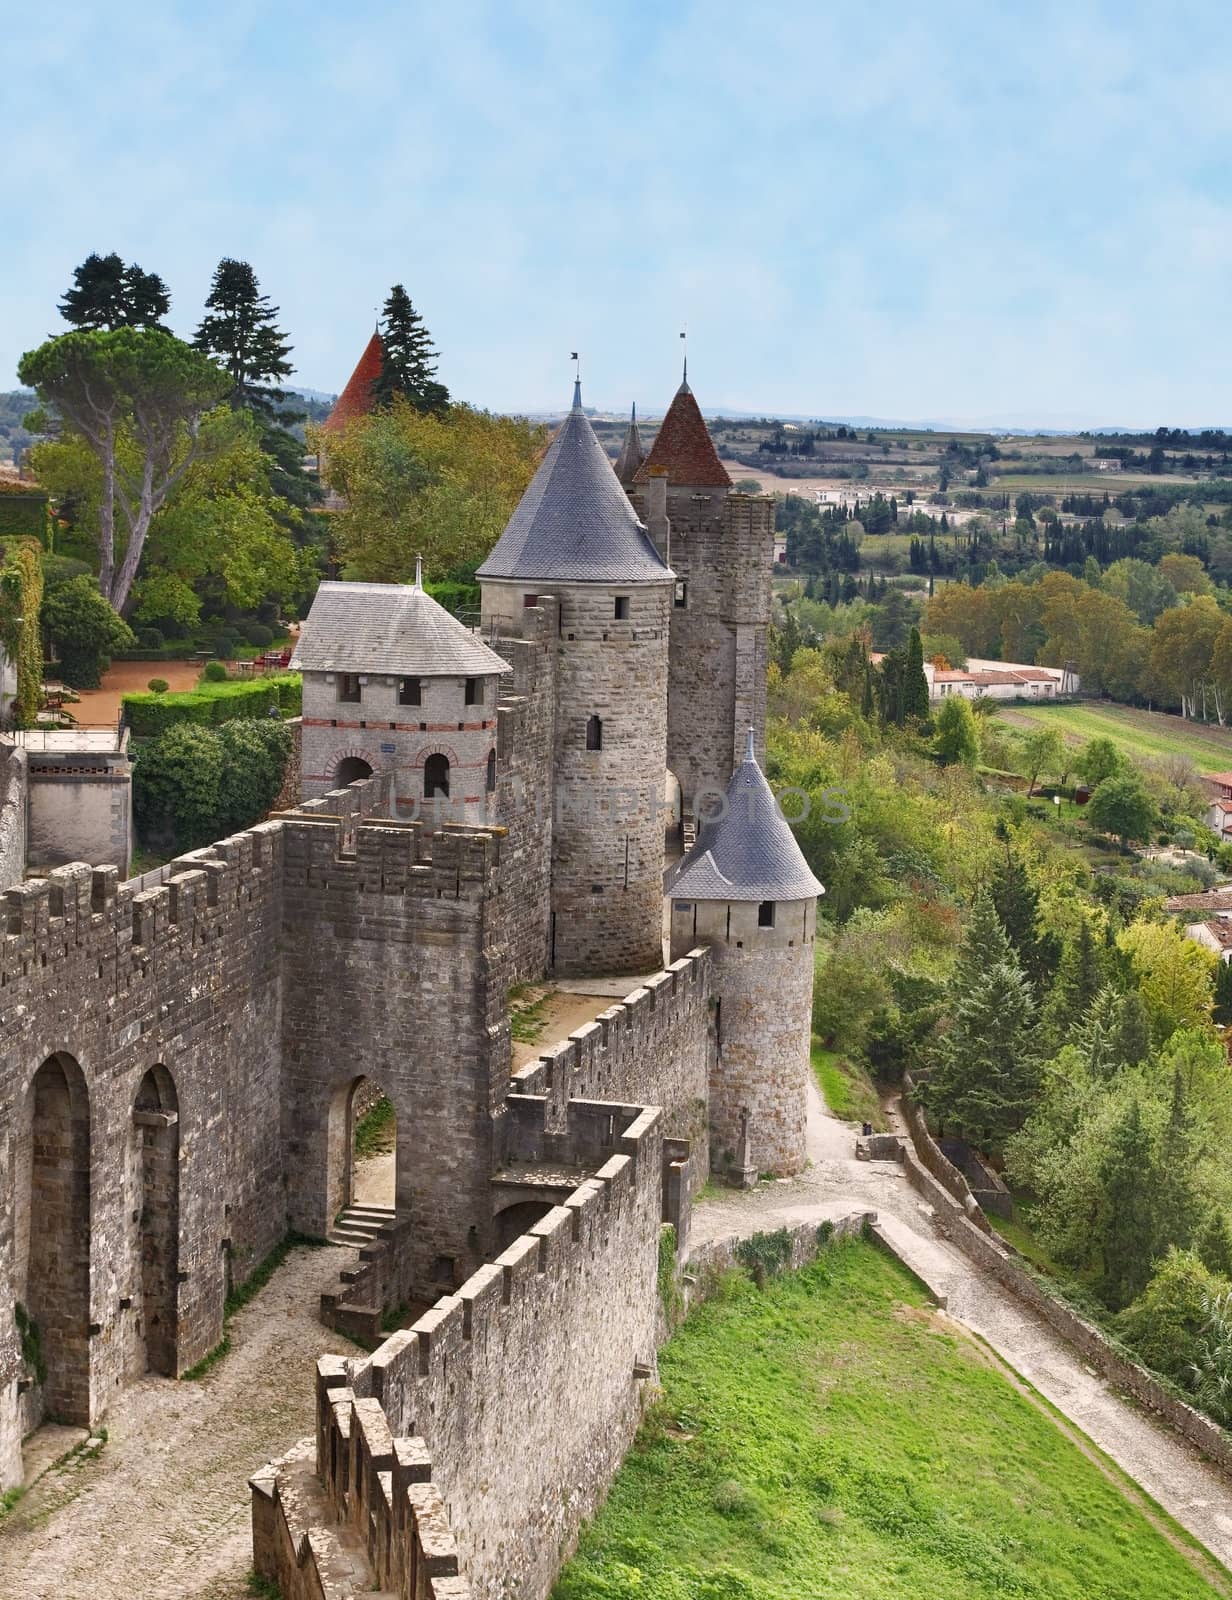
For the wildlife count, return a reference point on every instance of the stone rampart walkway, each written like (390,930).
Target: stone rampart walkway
(163,1513)
(1166,1466)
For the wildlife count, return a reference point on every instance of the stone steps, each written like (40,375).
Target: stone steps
(359,1225)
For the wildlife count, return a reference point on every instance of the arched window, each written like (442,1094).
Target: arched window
(436,776)
(594,734)
(350,770)
(491,771)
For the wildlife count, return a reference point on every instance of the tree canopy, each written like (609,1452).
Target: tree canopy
(240,331)
(408,357)
(106,295)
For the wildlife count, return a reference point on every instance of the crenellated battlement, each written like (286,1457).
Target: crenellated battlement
(407,1438)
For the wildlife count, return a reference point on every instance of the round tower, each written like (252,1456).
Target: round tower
(575,536)
(746,890)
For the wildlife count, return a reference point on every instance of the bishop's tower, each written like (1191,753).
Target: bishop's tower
(720,546)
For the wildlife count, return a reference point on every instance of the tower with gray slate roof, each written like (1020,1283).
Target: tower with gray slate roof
(575,536)
(746,890)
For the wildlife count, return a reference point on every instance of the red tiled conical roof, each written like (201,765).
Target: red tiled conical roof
(683,447)
(356,399)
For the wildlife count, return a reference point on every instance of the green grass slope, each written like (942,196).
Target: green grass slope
(829,1436)
(1141,734)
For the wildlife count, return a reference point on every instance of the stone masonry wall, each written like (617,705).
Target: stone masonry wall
(764,977)
(655,1045)
(472,1447)
(12,815)
(113,983)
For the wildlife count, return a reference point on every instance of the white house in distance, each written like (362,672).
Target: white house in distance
(1214,934)
(996,680)
(392,682)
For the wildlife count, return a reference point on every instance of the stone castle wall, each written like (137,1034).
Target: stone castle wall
(12,814)
(479,1441)
(722,552)
(656,1045)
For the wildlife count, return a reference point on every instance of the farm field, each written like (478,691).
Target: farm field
(1142,734)
(832,1436)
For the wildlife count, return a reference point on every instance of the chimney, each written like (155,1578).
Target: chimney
(657,524)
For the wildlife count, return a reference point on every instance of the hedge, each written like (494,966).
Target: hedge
(21,595)
(209,704)
(23,513)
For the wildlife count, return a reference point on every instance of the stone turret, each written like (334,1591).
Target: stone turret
(721,549)
(357,399)
(392,682)
(575,536)
(746,890)
(631,453)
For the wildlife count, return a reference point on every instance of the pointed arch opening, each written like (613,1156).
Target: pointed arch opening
(156,1135)
(52,1238)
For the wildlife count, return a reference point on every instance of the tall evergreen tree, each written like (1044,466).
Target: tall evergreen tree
(915,684)
(1016,901)
(106,295)
(240,331)
(986,1072)
(1080,978)
(1127,1224)
(409,365)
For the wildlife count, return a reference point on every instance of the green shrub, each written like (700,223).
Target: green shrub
(195,784)
(86,630)
(212,702)
(257,633)
(225,646)
(1163,1324)
(150,638)
(158,686)
(214,672)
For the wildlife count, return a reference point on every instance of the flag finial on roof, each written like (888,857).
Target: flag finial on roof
(684,334)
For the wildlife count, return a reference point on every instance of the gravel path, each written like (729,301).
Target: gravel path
(162,1513)
(1170,1470)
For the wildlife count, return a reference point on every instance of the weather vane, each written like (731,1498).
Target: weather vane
(577,366)
(684,334)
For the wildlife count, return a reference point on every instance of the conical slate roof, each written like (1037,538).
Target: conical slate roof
(390,628)
(748,852)
(356,399)
(683,447)
(575,524)
(631,453)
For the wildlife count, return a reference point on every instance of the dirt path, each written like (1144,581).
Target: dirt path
(127,677)
(1159,1461)
(162,1513)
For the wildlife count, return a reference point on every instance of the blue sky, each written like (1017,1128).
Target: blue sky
(954,210)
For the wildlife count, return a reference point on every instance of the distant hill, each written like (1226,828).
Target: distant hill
(14,405)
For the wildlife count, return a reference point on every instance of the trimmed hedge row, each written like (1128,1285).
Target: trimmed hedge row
(212,703)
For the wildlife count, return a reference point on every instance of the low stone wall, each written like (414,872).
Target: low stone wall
(12,815)
(808,1241)
(1001,1262)
(930,1156)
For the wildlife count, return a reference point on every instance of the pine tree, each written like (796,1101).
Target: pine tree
(107,295)
(1178,1157)
(984,942)
(408,367)
(1079,980)
(986,1072)
(1215,1243)
(915,684)
(239,330)
(1128,1223)
(1016,900)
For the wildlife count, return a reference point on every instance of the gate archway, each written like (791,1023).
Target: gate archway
(156,1132)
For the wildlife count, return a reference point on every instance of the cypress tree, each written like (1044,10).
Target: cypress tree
(408,367)
(915,684)
(1215,1244)
(240,331)
(1127,1225)
(1016,901)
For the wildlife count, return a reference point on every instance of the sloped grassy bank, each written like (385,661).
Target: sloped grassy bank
(830,1435)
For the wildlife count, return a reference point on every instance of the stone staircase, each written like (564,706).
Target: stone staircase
(359,1225)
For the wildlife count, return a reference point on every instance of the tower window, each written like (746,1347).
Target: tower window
(622,608)
(682,595)
(765,914)
(530,599)
(349,687)
(491,771)
(474,691)
(436,776)
(594,734)
(410,692)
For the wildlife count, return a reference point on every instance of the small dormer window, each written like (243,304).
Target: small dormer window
(410,692)
(622,608)
(765,914)
(474,692)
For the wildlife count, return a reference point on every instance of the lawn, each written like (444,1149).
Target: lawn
(832,1436)
(1141,734)
(848,1090)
